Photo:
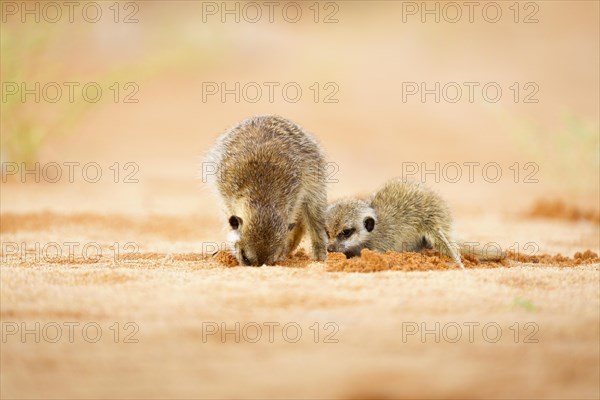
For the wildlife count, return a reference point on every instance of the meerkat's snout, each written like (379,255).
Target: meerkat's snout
(349,226)
(259,238)
(249,257)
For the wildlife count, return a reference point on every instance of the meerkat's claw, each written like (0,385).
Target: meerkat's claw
(320,254)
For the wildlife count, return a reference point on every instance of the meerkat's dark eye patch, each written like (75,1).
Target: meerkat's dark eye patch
(369,224)
(235,222)
(425,244)
(291,226)
(346,233)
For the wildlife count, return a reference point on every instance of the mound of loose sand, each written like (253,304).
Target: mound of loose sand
(370,261)
(558,209)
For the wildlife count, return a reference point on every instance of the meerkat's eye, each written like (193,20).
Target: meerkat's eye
(291,226)
(369,224)
(327,233)
(347,232)
(235,222)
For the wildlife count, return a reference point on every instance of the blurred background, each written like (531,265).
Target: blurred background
(174,75)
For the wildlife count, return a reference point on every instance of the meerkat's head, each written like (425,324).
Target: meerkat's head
(349,226)
(259,235)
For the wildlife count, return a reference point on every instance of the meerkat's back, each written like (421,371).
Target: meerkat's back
(411,216)
(264,157)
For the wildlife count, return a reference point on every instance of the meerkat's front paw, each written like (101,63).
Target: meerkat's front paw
(319,253)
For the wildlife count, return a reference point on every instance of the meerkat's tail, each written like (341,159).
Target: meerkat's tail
(485,252)
(454,249)
(447,248)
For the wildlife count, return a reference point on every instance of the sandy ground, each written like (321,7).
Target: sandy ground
(188,326)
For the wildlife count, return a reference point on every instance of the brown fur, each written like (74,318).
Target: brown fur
(270,175)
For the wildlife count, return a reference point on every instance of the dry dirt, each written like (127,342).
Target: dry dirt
(170,322)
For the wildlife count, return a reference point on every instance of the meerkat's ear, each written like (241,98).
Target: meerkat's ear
(369,223)
(291,226)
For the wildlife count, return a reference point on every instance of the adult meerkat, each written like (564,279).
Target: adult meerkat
(399,217)
(269,174)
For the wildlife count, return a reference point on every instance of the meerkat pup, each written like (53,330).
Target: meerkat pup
(269,174)
(398,217)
